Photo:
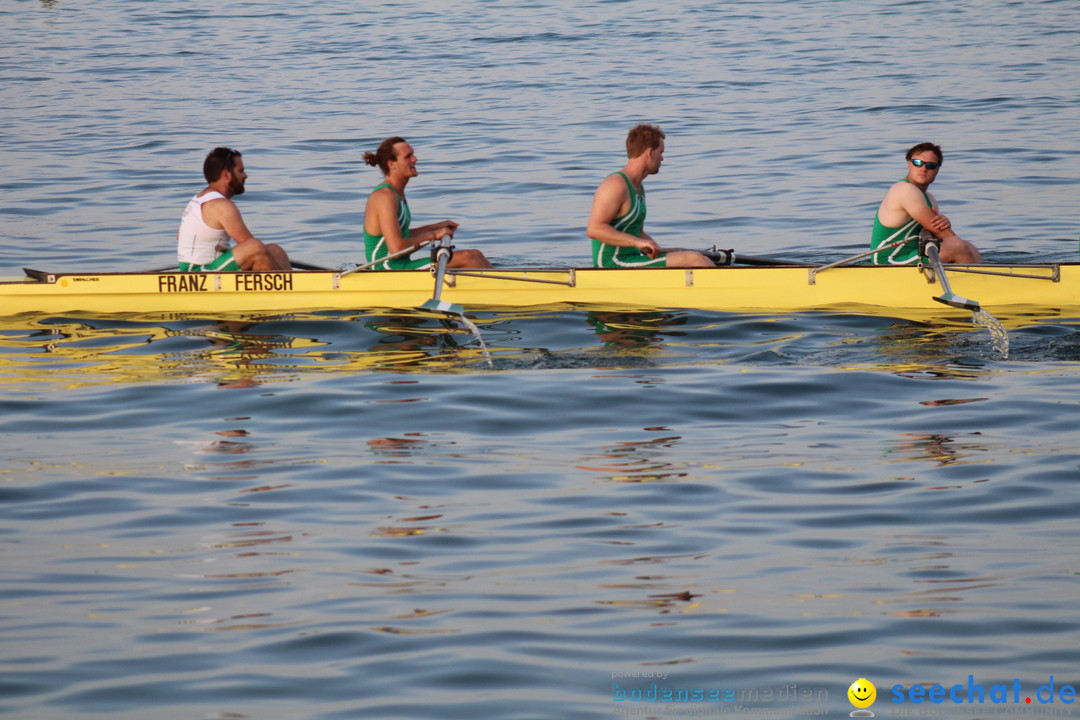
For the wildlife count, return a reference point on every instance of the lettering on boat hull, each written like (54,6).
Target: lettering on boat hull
(181,282)
(244,282)
(263,282)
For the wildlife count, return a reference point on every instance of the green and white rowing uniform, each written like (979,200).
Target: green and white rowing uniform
(906,253)
(225,262)
(375,247)
(632,223)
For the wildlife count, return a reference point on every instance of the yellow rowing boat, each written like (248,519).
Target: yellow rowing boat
(1012,289)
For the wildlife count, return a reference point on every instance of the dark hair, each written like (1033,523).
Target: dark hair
(219,160)
(924,146)
(642,138)
(384,154)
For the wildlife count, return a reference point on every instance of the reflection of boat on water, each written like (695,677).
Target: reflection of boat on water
(897,291)
(68,353)
(411,339)
(634,330)
(74,353)
(424,339)
(51,352)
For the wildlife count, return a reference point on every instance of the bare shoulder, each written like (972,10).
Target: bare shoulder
(612,187)
(383,197)
(902,188)
(219,202)
(217,209)
(902,195)
(614,180)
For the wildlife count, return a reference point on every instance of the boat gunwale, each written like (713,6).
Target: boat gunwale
(40,276)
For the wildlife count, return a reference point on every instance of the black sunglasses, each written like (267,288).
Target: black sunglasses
(930,165)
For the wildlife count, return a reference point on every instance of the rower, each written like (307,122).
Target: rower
(908,208)
(211,218)
(387,217)
(616,223)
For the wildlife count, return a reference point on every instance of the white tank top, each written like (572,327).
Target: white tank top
(196,243)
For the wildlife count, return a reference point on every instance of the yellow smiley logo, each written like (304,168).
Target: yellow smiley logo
(862,693)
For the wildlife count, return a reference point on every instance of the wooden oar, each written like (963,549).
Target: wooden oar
(947,297)
(443,253)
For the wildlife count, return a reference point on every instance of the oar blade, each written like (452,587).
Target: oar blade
(956,301)
(443,306)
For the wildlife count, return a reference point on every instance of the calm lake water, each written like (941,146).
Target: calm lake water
(356,515)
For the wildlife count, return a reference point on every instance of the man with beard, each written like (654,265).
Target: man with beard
(211,218)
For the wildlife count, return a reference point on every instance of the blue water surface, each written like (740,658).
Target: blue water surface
(373,514)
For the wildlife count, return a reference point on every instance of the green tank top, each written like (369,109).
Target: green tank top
(906,253)
(632,222)
(375,247)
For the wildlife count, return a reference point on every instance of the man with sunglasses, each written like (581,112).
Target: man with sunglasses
(211,218)
(908,209)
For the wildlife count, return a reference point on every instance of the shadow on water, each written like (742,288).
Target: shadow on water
(68,352)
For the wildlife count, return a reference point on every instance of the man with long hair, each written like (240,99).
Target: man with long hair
(388,219)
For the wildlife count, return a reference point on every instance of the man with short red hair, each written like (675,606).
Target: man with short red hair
(617,221)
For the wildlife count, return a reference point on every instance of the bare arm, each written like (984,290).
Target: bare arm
(381,218)
(432,232)
(905,200)
(223,214)
(611,200)
(250,252)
